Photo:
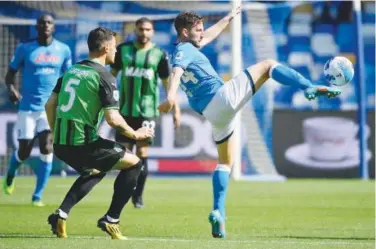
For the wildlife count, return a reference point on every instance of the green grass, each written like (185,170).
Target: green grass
(295,214)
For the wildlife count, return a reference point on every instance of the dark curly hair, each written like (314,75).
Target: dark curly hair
(186,20)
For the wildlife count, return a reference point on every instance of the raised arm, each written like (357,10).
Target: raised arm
(212,32)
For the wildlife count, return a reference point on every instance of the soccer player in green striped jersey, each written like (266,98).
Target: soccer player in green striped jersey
(85,94)
(141,63)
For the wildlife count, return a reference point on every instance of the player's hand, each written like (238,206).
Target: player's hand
(14,96)
(234,12)
(144,133)
(176,118)
(166,106)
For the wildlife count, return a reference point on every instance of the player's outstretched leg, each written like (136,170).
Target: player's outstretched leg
(123,189)
(288,76)
(14,164)
(266,69)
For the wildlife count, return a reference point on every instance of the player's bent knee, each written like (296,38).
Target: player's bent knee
(142,151)
(269,63)
(46,149)
(24,150)
(24,154)
(127,161)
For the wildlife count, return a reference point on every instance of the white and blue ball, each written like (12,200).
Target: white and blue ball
(339,71)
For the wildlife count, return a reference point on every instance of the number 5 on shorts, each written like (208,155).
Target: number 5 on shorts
(72,94)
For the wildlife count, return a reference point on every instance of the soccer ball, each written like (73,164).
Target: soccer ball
(339,71)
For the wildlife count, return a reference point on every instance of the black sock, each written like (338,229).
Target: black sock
(141,180)
(80,188)
(123,189)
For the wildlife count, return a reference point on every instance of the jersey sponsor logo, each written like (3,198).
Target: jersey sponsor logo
(139,72)
(46,70)
(78,72)
(179,55)
(43,57)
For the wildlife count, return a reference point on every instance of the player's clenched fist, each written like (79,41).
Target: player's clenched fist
(166,106)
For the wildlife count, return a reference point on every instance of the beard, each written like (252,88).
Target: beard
(195,43)
(143,40)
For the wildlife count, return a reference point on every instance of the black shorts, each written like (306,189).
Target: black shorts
(102,155)
(135,123)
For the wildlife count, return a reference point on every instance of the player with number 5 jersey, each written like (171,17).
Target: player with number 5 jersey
(85,94)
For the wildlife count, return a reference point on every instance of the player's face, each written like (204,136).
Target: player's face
(111,51)
(144,32)
(196,34)
(45,26)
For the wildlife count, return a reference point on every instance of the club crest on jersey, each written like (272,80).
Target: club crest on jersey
(139,72)
(43,57)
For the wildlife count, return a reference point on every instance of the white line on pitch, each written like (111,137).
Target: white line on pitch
(166,239)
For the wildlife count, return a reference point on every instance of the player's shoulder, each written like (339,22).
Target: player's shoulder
(185,46)
(158,49)
(98,68)
(61,44)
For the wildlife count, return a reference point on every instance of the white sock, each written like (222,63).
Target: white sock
(223,167)
(62,214)
(112,220)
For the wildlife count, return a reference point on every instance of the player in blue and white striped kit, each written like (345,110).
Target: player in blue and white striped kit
(219,102)
(42,60)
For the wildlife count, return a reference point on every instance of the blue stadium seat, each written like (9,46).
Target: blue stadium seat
(346,42)
(324,28)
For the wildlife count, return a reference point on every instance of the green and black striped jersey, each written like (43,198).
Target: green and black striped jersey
(139,92)
(83,92)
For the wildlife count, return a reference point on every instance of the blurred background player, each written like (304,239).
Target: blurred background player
(219,102)
(42,61)
(142,63)
(76,107)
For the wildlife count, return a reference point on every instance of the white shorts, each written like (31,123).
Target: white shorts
(226,103)
(29,124)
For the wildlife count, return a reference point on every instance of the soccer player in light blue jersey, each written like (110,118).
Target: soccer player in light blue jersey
(219,102)
(42,60)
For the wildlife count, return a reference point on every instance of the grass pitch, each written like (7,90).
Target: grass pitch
(296,214)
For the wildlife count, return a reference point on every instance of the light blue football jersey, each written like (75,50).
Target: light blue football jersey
(41,67)
(200,81)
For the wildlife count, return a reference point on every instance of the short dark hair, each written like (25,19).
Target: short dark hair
(143,20)
(97,38)
(186,20)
